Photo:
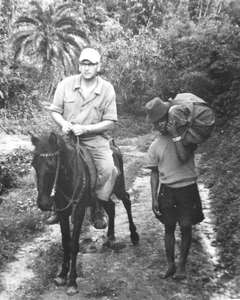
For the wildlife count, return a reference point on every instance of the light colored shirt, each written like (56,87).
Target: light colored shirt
(69,101)
(162,153)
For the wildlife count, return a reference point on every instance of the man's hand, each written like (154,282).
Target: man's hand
(67,127)
(78,129)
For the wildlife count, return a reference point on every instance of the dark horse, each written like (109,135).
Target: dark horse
(63,180)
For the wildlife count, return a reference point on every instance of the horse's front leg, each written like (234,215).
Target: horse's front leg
(128,206)
(78,220)
(109,207)
(66,243)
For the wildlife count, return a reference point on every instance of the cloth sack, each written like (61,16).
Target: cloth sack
(195,118)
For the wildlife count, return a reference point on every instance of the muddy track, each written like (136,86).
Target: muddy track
(127,271)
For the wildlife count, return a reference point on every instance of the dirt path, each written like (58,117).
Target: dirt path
(127,271)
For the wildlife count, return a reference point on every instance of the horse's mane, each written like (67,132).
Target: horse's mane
(61,142)
(48,139)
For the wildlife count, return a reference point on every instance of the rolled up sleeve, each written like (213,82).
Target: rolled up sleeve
(58,100)
(152,158)
(110,110)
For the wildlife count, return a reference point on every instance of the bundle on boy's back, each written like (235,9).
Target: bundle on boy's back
(195,118)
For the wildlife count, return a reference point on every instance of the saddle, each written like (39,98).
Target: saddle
(87,157)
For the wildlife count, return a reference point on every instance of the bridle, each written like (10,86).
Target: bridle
(56,153)
(71,200)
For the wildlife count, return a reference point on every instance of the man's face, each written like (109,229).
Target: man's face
(88,69)
(161,125)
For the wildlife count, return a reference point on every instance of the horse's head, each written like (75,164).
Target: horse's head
(45,162)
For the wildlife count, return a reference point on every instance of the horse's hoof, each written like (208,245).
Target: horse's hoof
(135,238)
(60,281)
(109,241)
(72,290)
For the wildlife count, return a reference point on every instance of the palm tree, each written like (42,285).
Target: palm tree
(50,33)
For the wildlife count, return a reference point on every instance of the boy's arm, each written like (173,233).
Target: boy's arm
(154,189)
(184,152)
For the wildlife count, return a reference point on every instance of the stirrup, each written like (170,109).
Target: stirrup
(99,219)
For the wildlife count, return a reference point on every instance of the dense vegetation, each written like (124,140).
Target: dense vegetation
(149,48)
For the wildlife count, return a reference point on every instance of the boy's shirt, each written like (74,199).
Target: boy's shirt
(162,153)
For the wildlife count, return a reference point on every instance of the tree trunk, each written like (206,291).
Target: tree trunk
(209,3)
(219,6)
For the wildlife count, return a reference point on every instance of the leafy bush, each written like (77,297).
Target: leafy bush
(220,165)
(14,165)
(181,56)
(19,220)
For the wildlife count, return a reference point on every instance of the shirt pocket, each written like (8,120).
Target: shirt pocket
(98,113)
(69,100)
(69,108)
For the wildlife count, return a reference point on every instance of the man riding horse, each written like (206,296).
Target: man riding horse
(85,104)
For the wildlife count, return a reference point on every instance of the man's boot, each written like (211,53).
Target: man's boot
(99,217)
(54,219)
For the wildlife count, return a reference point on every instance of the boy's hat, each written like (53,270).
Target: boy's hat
(156,109)
(90,54)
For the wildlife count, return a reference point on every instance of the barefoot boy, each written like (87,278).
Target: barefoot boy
(175,196)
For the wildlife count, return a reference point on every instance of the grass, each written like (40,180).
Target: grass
(19,220)
(220,166)
(45,267)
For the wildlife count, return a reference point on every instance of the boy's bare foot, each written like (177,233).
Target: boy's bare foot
(179,274)
(170,270)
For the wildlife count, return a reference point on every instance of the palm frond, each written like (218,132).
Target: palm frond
(22,47)
(61,49)
(25,19)
(66,56)
(66,21)
(27,44)
(37,7)
(19,36)
(38,40)
(67,61)
(42,20)
(67,39)
(51,10)
(77,32)
(42,48)
(63,8)
(17,53)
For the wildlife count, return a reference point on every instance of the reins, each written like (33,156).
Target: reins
(71,200)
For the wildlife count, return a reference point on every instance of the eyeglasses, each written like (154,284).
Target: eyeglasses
(87,64)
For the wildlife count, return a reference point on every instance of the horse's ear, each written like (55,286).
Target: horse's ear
(53,138)
(34,139)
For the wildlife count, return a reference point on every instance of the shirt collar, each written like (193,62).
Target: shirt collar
(76,84)
(98,88)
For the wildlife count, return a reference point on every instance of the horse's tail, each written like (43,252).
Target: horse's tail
(117,155)
(119,189)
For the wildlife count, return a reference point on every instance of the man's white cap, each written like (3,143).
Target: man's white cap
(90,54)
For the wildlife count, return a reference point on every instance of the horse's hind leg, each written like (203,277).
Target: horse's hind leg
(109,207)
(125,197)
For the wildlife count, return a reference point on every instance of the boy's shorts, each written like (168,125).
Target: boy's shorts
(182,205)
